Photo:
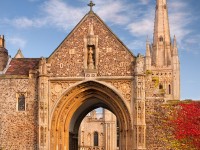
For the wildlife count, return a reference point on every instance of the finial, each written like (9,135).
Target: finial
(147,39)
(175,44)
(91,4)
(2,36)
(174,38)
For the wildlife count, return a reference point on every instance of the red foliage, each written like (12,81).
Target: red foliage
(187,123)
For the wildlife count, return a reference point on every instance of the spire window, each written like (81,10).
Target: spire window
(96,139)
(161,39)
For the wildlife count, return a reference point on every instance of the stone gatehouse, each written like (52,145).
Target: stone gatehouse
(44,100)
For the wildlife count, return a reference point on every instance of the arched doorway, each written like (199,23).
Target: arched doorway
(76,103)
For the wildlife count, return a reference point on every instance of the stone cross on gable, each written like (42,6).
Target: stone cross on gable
(91,4)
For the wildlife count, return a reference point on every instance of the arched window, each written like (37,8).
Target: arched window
(161,39)
(96,139)
(21,102)
(169,89)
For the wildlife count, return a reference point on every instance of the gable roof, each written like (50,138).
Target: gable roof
(82,20)
(21,66)
(19,54)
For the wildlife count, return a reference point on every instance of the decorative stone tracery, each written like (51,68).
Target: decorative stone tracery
(57,88)
(124,87)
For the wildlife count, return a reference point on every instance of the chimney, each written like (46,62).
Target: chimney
(2,41)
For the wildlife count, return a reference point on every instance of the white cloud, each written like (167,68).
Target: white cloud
(138,20)
(17,42)
(179,15)
(114,11)
(142,27)
(23,22)
(137,46)
(61,14)
(142,24)
(54,13)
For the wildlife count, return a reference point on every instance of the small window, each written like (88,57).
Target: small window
(165,6)
(21,102)
(156,7)
(96,139)
(169,89)
(161,39)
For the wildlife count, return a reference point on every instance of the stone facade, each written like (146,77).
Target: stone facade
(43,101)
(104,125)
(18,129)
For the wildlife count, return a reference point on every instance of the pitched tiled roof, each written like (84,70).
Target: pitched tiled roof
(21,66)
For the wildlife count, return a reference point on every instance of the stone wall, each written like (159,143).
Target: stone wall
(105,125)
(114,58)
(159,134)
(18,129)
(88,127)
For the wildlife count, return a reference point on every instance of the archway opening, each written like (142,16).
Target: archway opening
(98,126)
(76,104)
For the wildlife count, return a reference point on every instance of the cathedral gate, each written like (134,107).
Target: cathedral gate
(91,68)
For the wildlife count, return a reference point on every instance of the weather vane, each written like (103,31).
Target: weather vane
(91,4)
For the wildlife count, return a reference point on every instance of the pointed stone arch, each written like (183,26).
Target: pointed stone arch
(74,105)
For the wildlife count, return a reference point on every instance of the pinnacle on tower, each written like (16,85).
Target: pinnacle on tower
(148,55)
(148,52)
(175,49)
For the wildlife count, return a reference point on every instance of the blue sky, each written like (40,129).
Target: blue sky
(39,26)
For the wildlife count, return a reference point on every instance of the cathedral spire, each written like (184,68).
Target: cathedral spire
(161,26)
(161,53)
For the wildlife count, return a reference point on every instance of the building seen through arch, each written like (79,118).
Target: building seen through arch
(98,130)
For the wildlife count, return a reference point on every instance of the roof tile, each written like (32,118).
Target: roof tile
(21,66)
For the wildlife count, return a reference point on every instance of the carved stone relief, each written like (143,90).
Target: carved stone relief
(139,65)
(124,87)
(57,88)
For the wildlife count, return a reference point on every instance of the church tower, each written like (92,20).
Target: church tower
(3,54)
(162,61)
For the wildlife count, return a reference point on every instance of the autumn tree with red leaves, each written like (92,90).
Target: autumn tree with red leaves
(186,125)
